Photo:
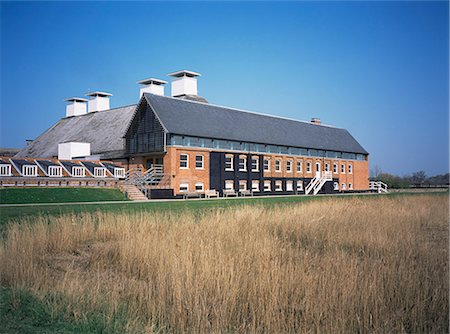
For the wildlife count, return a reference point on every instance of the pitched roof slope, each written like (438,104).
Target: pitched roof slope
(206,120)
(103,129)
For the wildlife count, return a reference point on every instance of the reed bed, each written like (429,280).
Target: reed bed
(358,265)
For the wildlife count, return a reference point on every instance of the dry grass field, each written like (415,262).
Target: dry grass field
(358,265)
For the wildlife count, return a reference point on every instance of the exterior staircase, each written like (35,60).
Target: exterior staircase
(378,186)
(141,182)
(317,182)
(133,193)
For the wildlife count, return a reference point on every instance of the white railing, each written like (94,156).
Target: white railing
(378,186)
(317,182)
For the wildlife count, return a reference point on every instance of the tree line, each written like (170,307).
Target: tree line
(414,180)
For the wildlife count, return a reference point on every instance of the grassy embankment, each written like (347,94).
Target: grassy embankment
(58,195)
(335,265)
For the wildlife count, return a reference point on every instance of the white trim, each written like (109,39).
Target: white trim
(202,161)
(99,172)
(350,168)
(244,183)
(289,185)
(7,168)
(229,156)
(228,182)
(54,171)
(266,159)
(26,169)
(184,185)
(289,163)
(342,168)
(299,185)
(278,170)
(299,163)
(187,161)
(202,186)
(78,171)
(255,185)
(242,157)
(255,158)
(308,167)
(278,185)
(119,172)
(267,182)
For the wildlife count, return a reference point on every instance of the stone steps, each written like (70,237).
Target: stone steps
(133,192)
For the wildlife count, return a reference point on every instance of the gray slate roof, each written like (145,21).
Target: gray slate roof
(103,129)
(205,120)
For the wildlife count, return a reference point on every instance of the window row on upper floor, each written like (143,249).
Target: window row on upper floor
(189,141)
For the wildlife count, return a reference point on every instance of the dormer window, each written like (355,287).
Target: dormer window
(54,171)
(99,172)
(5,170)
(29,170)
(78,171)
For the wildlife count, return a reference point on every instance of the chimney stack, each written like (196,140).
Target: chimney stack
(184,83)
(75,106)
(98,101)
(152,85)
(316,120)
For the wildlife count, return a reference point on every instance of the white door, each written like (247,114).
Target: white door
(317,169)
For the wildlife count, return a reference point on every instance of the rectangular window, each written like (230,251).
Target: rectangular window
(199,162)
(327,167)
(267,185)
(335,168)
(184,161)
(344,186)
(289,185)
(266,165)
(350,186)
(229,184)
(299,185)
(277,165)
(308,167)
(242,163)
(289,166)
(78,171)
(184,187)
(255,164)
(99,172)
(336,186)
(54,171)
(199,186)
(28,170)
(299,166)
(229,162)
(278,185)
(342,169)
(5,170)
(242,185)
(119,172)
(255,185)
(350,170)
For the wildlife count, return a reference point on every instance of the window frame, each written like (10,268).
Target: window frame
(289,185)
(30,167)
(243,182)
(97,171)
(182,160)
(350,168)
(184,185)
(244,167)
(335,168)
(278,185)
(266,163)
(269,188)
(202,187)
(231,162)
(78,171)
(7,168)
(344,186)
(229,182)
(255,159)
(52,169)
(299,164)
(255,189)
(308,167)
(277,165)
(289,166)
(350,186)
(202,161)
(299,185)
(342,168)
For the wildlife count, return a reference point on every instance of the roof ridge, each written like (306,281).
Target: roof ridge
(246,111)
(112,109)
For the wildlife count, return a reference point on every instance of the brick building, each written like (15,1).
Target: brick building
(201,146)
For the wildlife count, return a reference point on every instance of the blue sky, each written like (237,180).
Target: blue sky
(378,69)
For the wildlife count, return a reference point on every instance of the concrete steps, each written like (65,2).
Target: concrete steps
(133,192)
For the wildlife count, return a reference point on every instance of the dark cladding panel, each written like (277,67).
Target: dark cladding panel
(146,134)
(215,170)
